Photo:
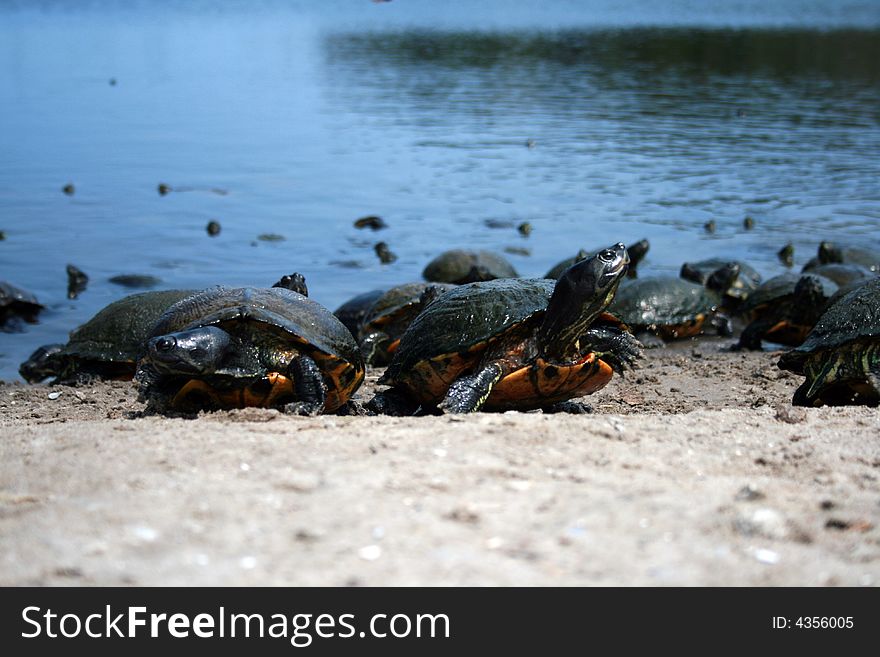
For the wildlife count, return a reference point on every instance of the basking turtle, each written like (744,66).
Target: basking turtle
(105,347)
(829,253)
(388,318)
(235,347)
(841,356)
(17,303)
(636,253)
(513,343)
(352,312)
(785,309)
(673,308)
(737,290)
(460,266)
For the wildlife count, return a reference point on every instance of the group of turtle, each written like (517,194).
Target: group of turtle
(475,336)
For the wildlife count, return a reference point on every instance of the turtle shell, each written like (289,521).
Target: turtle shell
(352,312)
(15,302)
(852,318)
(778,289)
(109,344)
(275,324)
(449,337)
(392,313)
(840,358)
(744,284)
(668,306)
(460,266)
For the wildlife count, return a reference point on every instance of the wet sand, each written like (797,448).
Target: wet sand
(693,470)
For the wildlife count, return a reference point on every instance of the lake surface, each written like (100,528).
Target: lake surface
(596,122)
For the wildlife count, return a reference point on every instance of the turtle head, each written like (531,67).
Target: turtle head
(197,351)
(829,253)
(44,362)
(581,294)
(723,278)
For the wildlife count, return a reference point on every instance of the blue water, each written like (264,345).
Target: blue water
(646,119)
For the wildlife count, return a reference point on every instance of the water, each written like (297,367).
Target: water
(647,119)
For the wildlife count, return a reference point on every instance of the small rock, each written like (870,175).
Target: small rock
(766,556)
(786,255)
(77,280)
(370,552)
(372,222)
(525,229)
(54,395)
(709,226)
(827,505)
(791,414)
(69,189)
(749,493)
(748,223)
(163,189)
(764,522)
(384,253)
(213,228)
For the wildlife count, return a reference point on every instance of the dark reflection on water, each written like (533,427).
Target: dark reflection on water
(591,135)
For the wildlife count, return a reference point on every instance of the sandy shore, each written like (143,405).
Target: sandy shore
(694,470)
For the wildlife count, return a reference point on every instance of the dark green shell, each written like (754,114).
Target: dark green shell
(458,265)
(118,332)
(114,336)
(399,300)
(15,301)
(843,275)
(778,292)
(467,316)
(778,289)
(283,309)
(744,284)
(352,312)
(662,301)
(853,317)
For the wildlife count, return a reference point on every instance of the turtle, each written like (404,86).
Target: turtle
(841,356)
(17,303)
(737,290)
(105,347)
(389,316)
(829,253)
(518,344)
(784,309)
(672,308)
(236,347)
(352,312)
(636,251)
(461,266)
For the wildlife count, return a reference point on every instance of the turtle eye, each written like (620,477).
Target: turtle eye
(165,344)
(606,256)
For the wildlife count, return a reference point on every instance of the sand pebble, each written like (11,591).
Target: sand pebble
(54,395)
(370,552)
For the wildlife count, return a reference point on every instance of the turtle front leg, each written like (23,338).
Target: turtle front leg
(572,407)
(722,325)
(752,335)
(618,348)
(309,386)
(469,393)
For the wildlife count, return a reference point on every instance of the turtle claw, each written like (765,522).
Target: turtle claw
(303,408)
(572,407)
(621,350)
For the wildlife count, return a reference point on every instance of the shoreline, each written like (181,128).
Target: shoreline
(693,470)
